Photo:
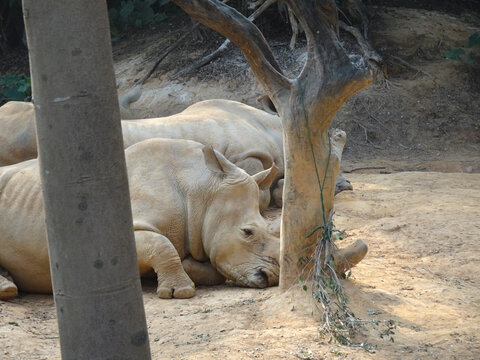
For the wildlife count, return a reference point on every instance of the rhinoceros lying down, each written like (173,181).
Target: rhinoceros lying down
(250,138)
(188,203)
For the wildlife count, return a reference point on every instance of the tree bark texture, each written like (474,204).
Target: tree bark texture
(327,80)
(92,252)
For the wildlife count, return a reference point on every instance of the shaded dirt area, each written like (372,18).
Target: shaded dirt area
(420,275)
(426,110)
(413,156)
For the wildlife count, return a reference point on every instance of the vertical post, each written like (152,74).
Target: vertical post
(93,260)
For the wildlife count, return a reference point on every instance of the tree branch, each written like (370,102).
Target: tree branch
(234,26)
(328,78)
(222,48)
(319,20)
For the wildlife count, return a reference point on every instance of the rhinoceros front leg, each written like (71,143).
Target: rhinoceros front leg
(155,251)
(202,273)
(8,289)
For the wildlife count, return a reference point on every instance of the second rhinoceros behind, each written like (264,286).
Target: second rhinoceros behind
(188,202)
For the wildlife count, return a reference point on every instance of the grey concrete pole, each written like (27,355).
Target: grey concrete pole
(93,260)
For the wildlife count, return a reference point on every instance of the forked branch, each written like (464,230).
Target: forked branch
(243,33)
(222,48)
(326,57)
(328,78)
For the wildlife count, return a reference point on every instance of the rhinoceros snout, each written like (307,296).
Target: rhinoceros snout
(265,278)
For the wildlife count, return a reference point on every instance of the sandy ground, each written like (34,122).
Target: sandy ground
(421,272)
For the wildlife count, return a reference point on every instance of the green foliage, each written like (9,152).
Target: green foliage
(454,54)
(130,14)
(302,283)
(473,40)
(15,88)
(457,53)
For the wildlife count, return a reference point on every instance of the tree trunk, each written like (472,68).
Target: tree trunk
(302,201)
(93,260)
(306,105)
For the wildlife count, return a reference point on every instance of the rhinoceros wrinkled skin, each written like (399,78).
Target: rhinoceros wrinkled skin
(17,133)
(248,137)
(188,203)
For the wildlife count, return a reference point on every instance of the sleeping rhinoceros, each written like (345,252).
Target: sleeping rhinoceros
(188,203)
(250,138)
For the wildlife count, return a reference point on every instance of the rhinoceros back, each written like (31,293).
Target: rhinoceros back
(17,135)
(236,130)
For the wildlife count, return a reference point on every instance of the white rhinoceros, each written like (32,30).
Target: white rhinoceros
(250,138)
(188,203)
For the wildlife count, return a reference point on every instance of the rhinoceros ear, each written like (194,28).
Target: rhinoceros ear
(265,178)
(216,162)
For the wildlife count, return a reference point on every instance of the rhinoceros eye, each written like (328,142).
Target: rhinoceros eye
(247,232)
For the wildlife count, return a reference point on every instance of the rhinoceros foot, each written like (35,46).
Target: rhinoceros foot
(173,282)
(8,289)
(155,251)
(350,256)
(342,185)
(175,291)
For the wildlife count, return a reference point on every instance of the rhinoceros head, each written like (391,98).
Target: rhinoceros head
(235,235)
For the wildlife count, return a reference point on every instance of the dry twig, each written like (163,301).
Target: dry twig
(413,67)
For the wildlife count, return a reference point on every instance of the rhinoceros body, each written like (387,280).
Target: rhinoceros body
(248,137)
(188,203)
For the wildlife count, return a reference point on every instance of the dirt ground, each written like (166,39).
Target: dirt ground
(413,157)
(421,273)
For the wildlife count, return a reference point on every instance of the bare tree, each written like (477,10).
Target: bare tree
(306,105)
(93,262)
